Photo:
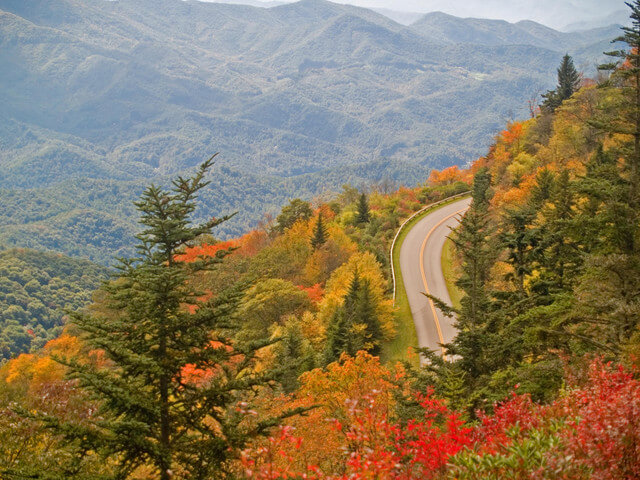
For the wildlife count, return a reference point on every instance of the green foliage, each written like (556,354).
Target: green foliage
(363,210)
(354,326)
(266,304)
(525,455)
(568,83)
(296,210)
(294,354)
(168,397)
(36,291)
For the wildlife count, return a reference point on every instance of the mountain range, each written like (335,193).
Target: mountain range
(102,97)
(565,15)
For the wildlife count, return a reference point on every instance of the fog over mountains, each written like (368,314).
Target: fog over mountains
(101,97)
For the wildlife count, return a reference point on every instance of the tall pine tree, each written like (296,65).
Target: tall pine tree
(473,242)
(355,325)
(319,233)
(568,83)
(363,210)
(174,376)
(623,115)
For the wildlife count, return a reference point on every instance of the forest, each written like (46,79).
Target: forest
(36,291)
(269,355)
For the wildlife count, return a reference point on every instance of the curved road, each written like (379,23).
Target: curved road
(421,267)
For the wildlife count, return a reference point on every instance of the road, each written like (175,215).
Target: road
(421,267)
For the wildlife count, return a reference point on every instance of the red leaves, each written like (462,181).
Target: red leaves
(193,253)
(518,411)
(316,292)
(264,463)
(373,447)
(418,450)
(605,435)
(597,425)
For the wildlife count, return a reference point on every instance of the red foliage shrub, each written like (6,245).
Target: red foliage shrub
(604,427)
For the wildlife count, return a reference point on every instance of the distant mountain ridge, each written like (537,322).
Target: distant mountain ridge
(444,28)
(297,98)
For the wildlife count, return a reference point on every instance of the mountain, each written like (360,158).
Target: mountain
(402,17)
(553,13)
(253,3)
(102,97)
(442,28)
(619,17)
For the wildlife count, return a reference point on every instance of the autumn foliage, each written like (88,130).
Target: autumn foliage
(595,425)
(449,176)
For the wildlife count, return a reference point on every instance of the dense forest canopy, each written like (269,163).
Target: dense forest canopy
(37,290)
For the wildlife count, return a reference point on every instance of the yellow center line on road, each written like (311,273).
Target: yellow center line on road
(424,278)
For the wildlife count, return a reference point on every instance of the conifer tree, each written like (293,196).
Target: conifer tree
(624,112)
(364,313)
(520,241)
(294,354)
(542,189)
(473,241)
(561,257)
(363,210)
(174,376)
(338,337)
(568,83)
(319,233)
(355,325)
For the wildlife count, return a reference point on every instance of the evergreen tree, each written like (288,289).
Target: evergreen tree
(568,83)
(355,325)
(542,189)
(338,337)
(452,385)
(363,210)
(568,78)
(168,394)
(561,257)
(623,115)
(319,233)
(294,354)
(473,242)
(604,222)
(520,240)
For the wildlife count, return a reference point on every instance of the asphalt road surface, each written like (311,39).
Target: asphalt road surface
(421,267)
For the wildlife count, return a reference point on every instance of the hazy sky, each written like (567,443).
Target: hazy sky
(555,13)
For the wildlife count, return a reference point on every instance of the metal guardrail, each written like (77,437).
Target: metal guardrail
(401,227)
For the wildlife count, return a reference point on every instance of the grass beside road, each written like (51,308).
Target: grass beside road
(406,336)
(450,270)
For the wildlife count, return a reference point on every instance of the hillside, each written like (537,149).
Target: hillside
(299,99)
(36,291)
